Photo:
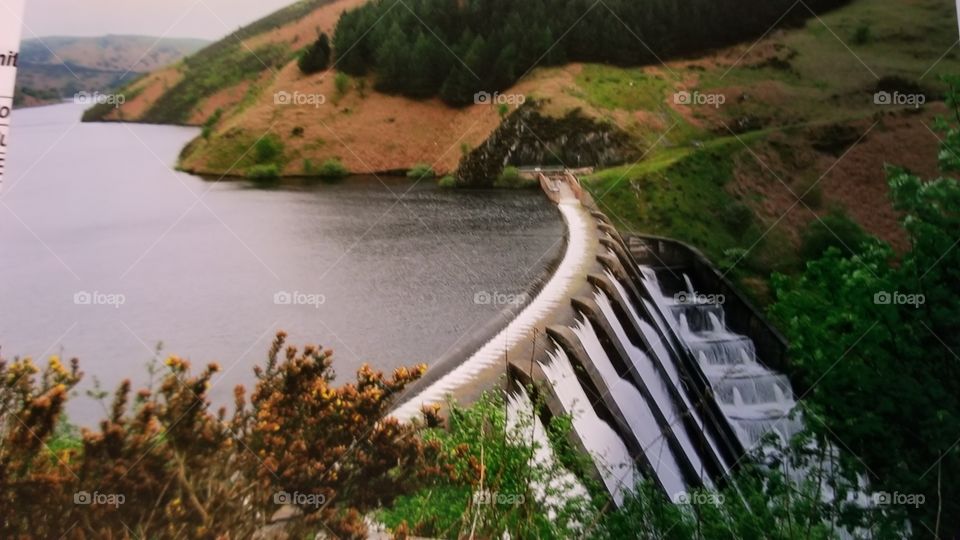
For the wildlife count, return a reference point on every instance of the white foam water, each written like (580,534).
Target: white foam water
(608,451)
(636,411)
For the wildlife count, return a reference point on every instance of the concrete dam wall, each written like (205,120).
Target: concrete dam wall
(667,372)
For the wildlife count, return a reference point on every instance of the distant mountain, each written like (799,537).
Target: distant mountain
(57,67)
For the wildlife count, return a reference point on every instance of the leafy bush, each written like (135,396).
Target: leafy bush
(173,469)
(341,83)
(316,56)
(330,169)
(447,181)
(268,149)
(892,320)
(421,171)
(511,178)
(835,230)
(863,34)
(264,171)
(736,217)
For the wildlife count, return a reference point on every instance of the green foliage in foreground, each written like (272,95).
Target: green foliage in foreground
(874,339)
(765,504)
(492,494)
(491,458)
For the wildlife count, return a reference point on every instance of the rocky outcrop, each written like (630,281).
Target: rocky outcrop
(529,138)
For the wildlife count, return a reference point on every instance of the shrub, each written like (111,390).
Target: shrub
(316,56)
(268,149)
(448,181)
(862,35)
(184,472)
(341,82)
(736,217)
(421,171)
(265,171)
(330,169)
(512,179)
(832,230)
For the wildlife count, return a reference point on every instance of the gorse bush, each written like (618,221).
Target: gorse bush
(162,465)
(456,49)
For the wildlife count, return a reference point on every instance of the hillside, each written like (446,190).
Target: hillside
(776,116)
(53,68)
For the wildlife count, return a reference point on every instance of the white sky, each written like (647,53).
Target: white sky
(208,19)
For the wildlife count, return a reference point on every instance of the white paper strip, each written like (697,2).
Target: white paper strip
(11,14)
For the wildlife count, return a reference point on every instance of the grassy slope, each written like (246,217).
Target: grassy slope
(808,99)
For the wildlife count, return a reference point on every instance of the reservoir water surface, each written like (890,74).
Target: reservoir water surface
(106,251)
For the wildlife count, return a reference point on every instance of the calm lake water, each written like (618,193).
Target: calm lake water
(107,251)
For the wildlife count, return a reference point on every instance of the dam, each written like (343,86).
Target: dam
(668,373)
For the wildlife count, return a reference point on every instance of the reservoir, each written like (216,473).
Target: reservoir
(107,253)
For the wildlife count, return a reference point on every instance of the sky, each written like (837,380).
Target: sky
(208,19)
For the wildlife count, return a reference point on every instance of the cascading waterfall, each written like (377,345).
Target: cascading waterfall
(637,412)
(755,400)
(661,353)
(656,384)
(608,451)
(746,390)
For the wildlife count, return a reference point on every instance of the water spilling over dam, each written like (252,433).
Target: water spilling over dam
(667,372)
